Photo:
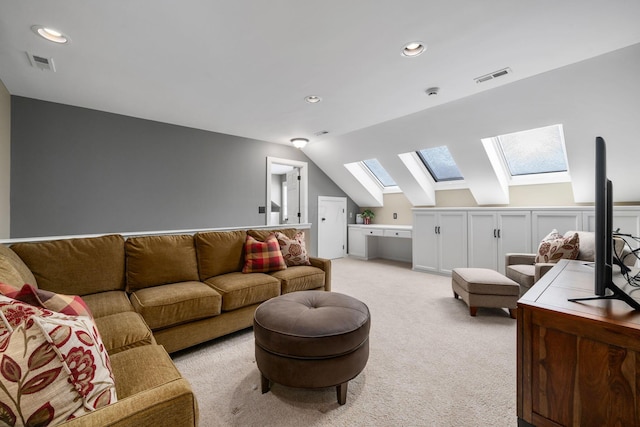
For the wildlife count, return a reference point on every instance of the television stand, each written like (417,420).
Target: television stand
(616,293)
(576,363)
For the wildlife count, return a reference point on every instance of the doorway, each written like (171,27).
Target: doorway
(287,184)
(332,227)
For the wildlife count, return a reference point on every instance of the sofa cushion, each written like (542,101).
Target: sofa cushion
(294,250)
(522,273)
(158,260)
(555,247)
(176,303)
(123,331)
(71,305)
(107,303)
(261,235)
(142,368)
(76,266)
(56,367)
(240,290)
(13,270)
(300,278)
(220,252)
(262,257)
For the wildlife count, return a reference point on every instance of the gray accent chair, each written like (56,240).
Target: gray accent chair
(523,269)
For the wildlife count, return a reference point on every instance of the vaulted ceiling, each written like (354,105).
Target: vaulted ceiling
(244,67)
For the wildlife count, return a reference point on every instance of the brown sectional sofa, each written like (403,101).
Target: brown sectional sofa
(154,295)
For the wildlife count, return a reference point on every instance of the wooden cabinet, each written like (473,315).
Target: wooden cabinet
(439,240)
(492,234)
(578,363)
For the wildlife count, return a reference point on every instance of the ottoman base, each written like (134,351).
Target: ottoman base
(312,373)
(481,287)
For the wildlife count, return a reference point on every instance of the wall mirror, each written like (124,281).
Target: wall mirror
(287,192)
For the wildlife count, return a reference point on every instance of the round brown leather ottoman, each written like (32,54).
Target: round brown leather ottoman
(311,339)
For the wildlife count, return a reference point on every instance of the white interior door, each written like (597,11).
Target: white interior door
(332,227)
(293,196)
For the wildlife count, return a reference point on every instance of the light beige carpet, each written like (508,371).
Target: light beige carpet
(430,363)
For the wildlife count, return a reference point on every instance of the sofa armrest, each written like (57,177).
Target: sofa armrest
(169,404)
(541,269)
(519,259)
(324,265)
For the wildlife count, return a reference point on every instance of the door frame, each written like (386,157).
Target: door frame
(304,184)
(344,231)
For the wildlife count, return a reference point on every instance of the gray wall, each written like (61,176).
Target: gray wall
(81,171)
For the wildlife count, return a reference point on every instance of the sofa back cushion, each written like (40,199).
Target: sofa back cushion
(261,235)
(13,270)
(76,266)
(158,260)
(220,252)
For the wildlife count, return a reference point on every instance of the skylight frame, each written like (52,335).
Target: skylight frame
(502,164)
(431,168)
(391,188)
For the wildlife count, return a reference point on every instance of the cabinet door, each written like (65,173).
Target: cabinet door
(626,221)
(483,240)
(514,234)
(452,240)
(425,255)
(357,242)
(544,221)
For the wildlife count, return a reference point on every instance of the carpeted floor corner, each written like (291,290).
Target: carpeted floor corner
(430,363)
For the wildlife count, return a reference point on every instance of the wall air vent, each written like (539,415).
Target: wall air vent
(41,63)
(493,75)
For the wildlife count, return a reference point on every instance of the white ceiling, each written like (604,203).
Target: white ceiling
(243,67)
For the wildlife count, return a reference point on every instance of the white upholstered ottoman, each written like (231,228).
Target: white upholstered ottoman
(482,287)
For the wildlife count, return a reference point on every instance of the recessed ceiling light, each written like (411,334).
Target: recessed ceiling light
(413,49)
(50,34)
(299,142)
(312,99)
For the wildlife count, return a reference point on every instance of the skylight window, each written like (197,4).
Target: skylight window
(440,164)
(535,151)
(376,169)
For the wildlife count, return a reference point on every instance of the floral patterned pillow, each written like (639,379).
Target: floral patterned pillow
(53,367)
(555,247)
(294,251)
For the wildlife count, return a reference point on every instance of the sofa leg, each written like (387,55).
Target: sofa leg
(512,313)
(266,385)
(341,390)
(473,311)
(455,295)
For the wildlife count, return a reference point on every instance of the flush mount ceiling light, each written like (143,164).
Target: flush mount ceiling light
(312,99)
(50,34)
(413,49)
(299,142)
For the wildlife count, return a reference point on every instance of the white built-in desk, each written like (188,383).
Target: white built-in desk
(380,241)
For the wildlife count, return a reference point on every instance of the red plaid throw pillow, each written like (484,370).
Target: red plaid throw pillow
(71,305)
(262,257)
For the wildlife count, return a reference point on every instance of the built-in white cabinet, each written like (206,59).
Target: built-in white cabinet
(357,246)
(492,234)
(626,220)
(439,240)
(545,220)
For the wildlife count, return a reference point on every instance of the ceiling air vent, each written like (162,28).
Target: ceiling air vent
(493,75)
(41,63)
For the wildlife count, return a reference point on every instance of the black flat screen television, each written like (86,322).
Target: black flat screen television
(604,288)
